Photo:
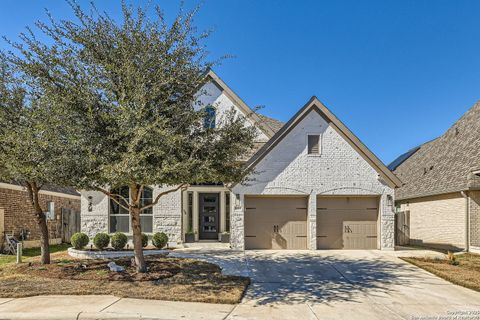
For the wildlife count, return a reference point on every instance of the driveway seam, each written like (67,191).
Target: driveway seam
(111,304)
(311,310)
(7,301)
(228,314)
(364,292)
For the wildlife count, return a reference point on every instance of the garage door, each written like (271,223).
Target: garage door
(275,223)
(347,222)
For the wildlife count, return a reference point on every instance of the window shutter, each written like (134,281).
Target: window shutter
(313,144)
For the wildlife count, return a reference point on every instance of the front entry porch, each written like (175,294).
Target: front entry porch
(205,213)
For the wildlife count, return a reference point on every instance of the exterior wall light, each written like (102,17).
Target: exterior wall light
(90,205)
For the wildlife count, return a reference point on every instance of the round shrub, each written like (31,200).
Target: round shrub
(159,240)
(144,240)
(101,240)
(79,240)
(119,240)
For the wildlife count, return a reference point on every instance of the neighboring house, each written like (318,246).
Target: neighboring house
(315,185)
(440,197)
(17,217)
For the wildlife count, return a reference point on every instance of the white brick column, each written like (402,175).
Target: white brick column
(387,216)
(237,221)
(312,221)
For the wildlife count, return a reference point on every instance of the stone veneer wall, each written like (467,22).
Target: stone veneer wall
(474,218)
(18,213)
(166,214)
(338,170)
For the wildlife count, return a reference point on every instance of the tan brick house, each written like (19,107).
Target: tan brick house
(16,213)
(440,196)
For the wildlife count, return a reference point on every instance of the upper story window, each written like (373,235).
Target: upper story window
(210,115)
(314,144)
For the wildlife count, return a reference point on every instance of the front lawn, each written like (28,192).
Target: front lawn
(466,273)
(170,279)
(32,252)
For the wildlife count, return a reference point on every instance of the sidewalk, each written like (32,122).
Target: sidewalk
(110,307)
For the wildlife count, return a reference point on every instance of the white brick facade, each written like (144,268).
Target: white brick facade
(339,170)
(287,169)
(167,214)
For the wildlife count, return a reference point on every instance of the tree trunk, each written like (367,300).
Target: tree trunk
(137,240)
(41,221)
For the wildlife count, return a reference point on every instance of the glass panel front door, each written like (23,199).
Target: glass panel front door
(209,216)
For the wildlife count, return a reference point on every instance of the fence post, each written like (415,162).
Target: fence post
(19,252)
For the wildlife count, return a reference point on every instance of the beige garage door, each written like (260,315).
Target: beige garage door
(347,222)
(275,222)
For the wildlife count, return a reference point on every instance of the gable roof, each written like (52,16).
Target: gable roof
(442,165)
(263,123)
(316,105)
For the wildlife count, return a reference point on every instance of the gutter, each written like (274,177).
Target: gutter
(467,220)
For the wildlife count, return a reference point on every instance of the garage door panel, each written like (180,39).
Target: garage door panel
(275,223)
(347,222)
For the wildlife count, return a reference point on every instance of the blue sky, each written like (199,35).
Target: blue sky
(398,73)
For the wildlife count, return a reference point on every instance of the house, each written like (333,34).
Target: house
(17,217)
(440,195)
(314,185)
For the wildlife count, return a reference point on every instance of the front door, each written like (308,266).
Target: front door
(209,216)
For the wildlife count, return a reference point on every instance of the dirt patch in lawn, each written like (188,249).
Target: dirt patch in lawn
(169,279)
(466,273)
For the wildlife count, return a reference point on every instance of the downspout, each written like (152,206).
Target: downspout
(467,220)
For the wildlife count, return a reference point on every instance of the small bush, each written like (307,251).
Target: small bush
(101,240)
(159,240)
(79,240)
(119,240)
(144,240)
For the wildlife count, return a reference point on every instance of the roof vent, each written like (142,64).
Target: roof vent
(456,131)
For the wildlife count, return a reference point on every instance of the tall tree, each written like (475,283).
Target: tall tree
(132,87)
(33,144)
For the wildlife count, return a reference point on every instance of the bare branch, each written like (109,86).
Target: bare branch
(114,196)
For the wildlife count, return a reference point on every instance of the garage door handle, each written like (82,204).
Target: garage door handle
(301,236)
(250,236)
(371,236)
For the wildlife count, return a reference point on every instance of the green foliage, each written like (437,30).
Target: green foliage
(159,240)
(119,240)
(79,240)
(144,240)
(124,98)
(101,240)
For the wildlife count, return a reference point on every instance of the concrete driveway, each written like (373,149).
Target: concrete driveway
(339,284)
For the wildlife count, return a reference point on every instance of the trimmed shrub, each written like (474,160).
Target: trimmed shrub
(79,240)
(101,240)
(159,240)
(144,240)
(119,240)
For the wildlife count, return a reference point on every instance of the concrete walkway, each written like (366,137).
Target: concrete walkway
(286,285)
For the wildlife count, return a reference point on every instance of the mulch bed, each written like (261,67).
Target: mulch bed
(169,278)
(159,267)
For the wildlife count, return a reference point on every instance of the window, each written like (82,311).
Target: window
(190,212)
(210,115)
(314,144)
(50,214)
(120,217)
(227,211)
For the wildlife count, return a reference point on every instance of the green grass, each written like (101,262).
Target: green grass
(32,252)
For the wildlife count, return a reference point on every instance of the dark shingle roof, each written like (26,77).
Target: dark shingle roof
(442,165)
(273,124)
(53,188)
